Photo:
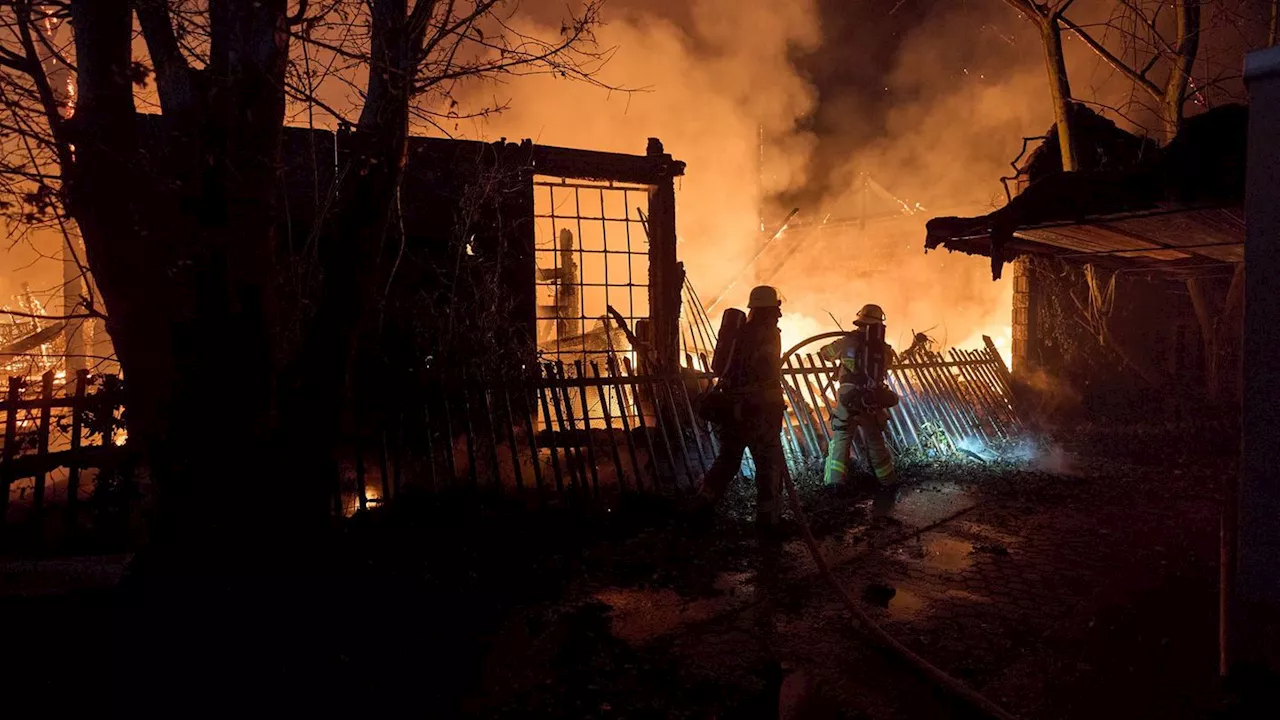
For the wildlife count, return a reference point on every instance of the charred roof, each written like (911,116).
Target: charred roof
(1195,185)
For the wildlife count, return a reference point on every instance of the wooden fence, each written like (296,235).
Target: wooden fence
(963,398)
(591,429)
(587,429)
(45,431)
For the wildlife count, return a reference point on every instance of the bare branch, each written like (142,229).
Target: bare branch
(1028,9)
(35,316)
(1115,62)
(298,17)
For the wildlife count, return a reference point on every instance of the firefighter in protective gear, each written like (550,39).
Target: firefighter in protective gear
(863,397)
(753,411)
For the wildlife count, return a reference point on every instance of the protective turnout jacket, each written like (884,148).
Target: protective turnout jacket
(756,369)
(863,355)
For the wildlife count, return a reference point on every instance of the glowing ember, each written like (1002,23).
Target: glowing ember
(119,437)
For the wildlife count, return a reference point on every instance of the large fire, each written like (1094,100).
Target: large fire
(722,90)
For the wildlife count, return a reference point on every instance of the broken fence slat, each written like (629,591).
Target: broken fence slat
(984,395)
(977,403)
(695,425)
(989,379)
(607,415)
(657,416)
(560,403)
(678,430)
(819,407)
(965,408)
(586,425)
(904,412)
(10,443)
(581,463)
(804,412)
(631,404)
(513,444)
(73,467)
(934,383)
(1001,373)
(620,393)
(542,390)
(42,437)
(529,407)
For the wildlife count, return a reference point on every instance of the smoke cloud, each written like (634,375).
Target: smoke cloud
(717,73)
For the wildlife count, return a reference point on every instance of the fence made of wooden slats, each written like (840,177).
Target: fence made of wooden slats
(966,395)
(43,433)
(593,429)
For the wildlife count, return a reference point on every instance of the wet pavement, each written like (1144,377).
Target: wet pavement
(639,615)
(1062,588)
(1001,586)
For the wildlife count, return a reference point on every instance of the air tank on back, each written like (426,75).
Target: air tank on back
(731,322)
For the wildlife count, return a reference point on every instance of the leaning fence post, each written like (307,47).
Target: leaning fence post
(10,443)
(42,438)
(514,448)
(616,383)
(578,369)
(633,398)
(573,457)
(544,380)
(73,464)
(608,424)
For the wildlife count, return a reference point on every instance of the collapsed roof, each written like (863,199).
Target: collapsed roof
(1176,209)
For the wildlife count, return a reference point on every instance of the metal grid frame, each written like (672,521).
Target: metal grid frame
(591,252)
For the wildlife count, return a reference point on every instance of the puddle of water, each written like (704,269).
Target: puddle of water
(638,616)
(988,533)
(947,553)
(924,504)
(905,604)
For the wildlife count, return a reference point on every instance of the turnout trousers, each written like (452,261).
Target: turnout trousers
(759,432)
(845,424)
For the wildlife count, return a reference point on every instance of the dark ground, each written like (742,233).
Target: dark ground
(1081,583)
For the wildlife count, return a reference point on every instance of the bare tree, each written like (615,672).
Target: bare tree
(1141,28)
(179,220)
(1142,31)
(1047,17)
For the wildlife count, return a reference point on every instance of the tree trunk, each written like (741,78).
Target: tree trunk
(180,230)
(1187,46)
(1274,26)
(1059,88)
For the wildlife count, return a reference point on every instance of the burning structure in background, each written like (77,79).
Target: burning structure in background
(721,82)
(783,105)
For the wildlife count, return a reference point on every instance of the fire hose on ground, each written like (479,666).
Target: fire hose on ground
(885,640)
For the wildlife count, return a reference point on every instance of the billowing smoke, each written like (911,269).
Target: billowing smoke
(715,73)
(705,87)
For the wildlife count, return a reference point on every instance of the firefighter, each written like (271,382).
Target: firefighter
(751,413)
(864,399)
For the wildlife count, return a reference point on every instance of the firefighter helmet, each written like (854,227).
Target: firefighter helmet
(870,315)
(764,296)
